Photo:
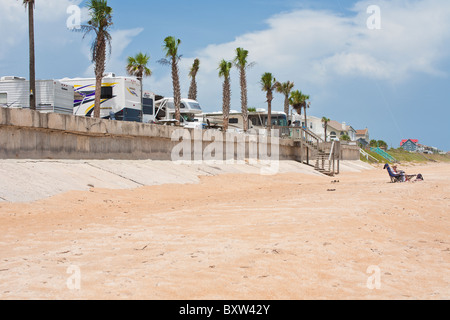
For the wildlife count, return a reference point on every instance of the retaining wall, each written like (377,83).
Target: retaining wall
(26,134)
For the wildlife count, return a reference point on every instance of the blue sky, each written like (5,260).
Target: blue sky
(394,80)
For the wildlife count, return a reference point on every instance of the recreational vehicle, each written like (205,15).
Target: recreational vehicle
(256,120)
(148,108)
(51,95)
(120,97)
(189,109)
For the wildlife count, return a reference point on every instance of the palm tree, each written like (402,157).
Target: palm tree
(100,23)
(170,47)
(299,101)
(193,74)
(137,67)
(296,101)
(268,84)
(285,88)
(242,64)
(325,122)
(224,71)
(30,5)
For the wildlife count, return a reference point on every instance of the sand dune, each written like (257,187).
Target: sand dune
(295,235)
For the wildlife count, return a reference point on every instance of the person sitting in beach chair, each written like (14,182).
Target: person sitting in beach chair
(398,176)
(395,176)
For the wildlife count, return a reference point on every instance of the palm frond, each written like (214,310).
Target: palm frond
(195,68)
(267,82)
(165,62)
(28,2)
(241,59)
(225,68)
(170,47)
(285,88)
(137,65)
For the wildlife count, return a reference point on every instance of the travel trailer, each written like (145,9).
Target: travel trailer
(257,119)
(189,109)
(148,109)
(51,95)
(120,97)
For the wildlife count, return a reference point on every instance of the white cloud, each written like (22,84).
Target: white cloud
(53,10)
(51,32)
(13,25)
(50,23)
(316,48)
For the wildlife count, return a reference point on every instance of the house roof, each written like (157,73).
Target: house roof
(337,125)
(415,141)
(362,132)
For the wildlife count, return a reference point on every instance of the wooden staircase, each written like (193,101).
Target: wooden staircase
(326,159)
(324,164)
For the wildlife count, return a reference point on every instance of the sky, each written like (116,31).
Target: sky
(381,65)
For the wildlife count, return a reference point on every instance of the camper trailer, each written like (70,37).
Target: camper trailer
(257,120)
(189,109)
(120,97)
(148,108)
(51,95)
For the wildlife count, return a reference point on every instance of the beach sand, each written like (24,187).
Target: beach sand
(235,237)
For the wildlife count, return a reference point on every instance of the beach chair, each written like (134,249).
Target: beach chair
(394,177)
(398,177)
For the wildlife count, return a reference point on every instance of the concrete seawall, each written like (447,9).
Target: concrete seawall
(32,180)
(26,134)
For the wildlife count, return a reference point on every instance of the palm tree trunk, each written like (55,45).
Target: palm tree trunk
(32,56)
(226,103)
(286,105)
(193,89)
(269,106)
(176,90)
(244,101)
(98,95)
(140,78)
(306,120)
(99,71)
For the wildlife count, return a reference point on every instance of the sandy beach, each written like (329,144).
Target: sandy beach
(235,236)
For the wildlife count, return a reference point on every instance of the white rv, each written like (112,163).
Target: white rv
(189,109)
(51,95)
(120,97)
(257,119)
(148,109)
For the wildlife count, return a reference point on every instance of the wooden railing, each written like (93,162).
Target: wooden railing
(312,147)
(297,133)
(334,158)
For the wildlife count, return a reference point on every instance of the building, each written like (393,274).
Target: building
(315,125)
(411,145)
(336,130)
(428,150)
(363,143)
(363,135)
